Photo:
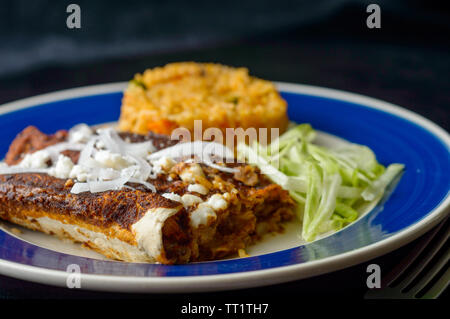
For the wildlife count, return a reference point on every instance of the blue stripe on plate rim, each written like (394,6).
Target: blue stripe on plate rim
(419,201)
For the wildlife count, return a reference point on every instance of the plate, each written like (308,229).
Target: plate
(420,199)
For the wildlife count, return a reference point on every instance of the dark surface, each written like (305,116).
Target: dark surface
(406,62)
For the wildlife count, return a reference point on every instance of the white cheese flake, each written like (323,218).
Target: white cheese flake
(80,133)
(227,196)
(62,168)
(217,202)
(172,196)
(80,173)
(198,188)
(201,214)
(111,160)
(192,173)
(163,165)
(190,200)
(37,159)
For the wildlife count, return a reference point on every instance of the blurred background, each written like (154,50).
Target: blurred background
(321,42)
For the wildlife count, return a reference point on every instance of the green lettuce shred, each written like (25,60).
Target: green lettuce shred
(328,184)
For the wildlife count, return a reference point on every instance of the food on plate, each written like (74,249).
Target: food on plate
(139,195)
(332,186)
(139,198)
(164,98)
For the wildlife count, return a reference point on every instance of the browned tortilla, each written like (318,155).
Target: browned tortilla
(256,206)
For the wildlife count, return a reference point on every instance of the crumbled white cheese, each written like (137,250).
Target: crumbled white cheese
(190,200)
(163,165)
(201,215)
(227,196)
(111,160)
(205,209)
(80,173)
(198,188)
(80,133)
(191,173)
(187,199)
(172,196)
(37,159)
(62,168)
(217,202)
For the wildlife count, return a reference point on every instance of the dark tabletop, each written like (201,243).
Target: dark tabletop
(406,62)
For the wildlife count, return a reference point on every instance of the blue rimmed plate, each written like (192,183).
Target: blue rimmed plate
(419,201)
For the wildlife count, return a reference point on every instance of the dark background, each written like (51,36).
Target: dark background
(324,43)
(319,42)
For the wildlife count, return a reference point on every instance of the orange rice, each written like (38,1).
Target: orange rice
(164,98)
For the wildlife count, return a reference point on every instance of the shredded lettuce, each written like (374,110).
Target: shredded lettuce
(328,184)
